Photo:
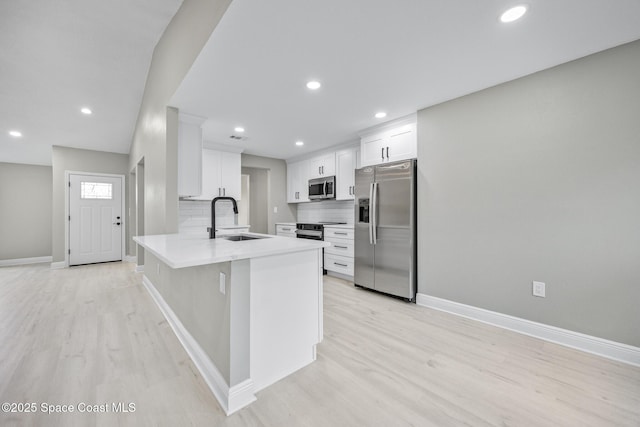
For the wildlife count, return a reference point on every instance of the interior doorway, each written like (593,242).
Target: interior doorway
(140,213)
(259,197)
(244,204)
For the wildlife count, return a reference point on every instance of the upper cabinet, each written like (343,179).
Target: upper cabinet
(190,155)
(298,181)
(346,164)
(322,166)
(204,173)
(340,163)
(391,143)
(221,174)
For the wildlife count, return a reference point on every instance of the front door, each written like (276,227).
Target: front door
(95,219)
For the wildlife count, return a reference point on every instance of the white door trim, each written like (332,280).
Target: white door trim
(67,173)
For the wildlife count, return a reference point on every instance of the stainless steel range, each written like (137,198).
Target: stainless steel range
(314,231)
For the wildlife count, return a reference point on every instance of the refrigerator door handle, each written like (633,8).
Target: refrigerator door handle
(370,207)
(374,210)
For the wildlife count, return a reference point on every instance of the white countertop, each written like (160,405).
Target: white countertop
(185,250)
(347,226)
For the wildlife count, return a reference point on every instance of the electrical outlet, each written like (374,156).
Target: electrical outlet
(223,283)
(275,209)
(539,289)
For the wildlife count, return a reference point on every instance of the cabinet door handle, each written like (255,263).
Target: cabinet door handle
(340,247)
(319,173)
(387,153)
(340,233)
(382,154)
(341,265)
(224,191)
(286,229)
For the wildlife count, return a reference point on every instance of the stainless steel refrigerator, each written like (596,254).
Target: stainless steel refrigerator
(385,228)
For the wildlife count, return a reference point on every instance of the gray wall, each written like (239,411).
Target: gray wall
(73,159)
(25,211)
(277,189)
(538,179)
(155,135)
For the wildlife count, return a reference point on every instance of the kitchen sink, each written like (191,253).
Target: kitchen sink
(241,237)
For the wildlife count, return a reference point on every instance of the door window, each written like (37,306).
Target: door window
(96,190)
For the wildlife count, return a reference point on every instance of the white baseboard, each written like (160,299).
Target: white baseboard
(59,264)
(230,398)
(139,268)
(587,343)
(130,258)
(24,261)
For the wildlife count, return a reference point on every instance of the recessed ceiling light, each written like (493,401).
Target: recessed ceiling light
(239,129)
(313,85)
(15,133)
(299,143)
(86,111)
(381,115)
(513,14)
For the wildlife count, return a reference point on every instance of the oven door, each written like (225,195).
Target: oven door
(309,234)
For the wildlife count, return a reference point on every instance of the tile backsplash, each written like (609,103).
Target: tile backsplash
(194,216)
(326,210)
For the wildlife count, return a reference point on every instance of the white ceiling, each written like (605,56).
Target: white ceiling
(61,55)
(398,56)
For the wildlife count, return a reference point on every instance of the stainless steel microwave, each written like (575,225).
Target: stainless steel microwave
(322,188)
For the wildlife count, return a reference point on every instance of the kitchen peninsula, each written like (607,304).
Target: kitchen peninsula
(248,312)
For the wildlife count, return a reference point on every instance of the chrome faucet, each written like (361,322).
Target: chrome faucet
(212,229)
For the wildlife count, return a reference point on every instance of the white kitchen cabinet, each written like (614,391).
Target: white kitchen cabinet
(370,148)
(221,172)
(298,182)
(390,145)
(339,257)
(322,166)
(190,155)
(286,230)
(346,163)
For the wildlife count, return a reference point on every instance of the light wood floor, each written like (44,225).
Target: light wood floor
(93,335)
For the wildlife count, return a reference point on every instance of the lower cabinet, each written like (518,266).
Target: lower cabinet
(286,230)
(339,264)
(339,256)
